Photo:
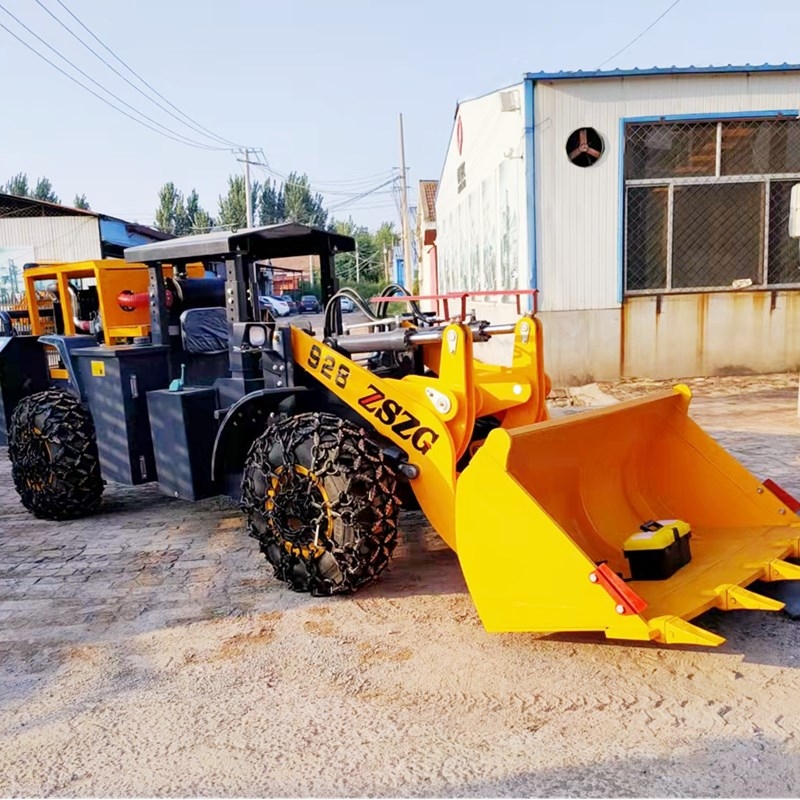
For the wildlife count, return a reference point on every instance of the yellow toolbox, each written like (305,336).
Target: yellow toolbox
(658,550)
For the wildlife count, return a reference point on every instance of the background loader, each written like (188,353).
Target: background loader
(629,520)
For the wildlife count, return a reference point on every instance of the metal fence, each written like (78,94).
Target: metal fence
(707,204)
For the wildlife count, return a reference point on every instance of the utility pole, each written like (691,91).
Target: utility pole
(358,267)
(248,198)
(247,188)
(408,272)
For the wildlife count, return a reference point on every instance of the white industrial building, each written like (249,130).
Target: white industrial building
(648,207)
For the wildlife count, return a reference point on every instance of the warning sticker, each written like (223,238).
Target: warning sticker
(99,369)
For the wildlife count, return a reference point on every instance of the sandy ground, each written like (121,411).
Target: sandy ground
(148,651)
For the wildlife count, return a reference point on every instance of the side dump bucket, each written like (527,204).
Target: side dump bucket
(542,512)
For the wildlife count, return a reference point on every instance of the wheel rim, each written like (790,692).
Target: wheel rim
(300,510)
(38,460)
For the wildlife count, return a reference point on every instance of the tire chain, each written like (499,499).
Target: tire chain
(66,483)
(366,508)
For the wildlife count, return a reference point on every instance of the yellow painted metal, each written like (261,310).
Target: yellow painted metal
(778,570)
(442,409)
(674,630)
(730,597)
(565,495)
(111,276)
(56,373)
(384,403)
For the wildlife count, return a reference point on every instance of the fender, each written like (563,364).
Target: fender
(244,422)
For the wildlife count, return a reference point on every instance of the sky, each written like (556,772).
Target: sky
(317,86)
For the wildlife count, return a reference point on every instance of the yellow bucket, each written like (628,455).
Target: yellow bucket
(543,513)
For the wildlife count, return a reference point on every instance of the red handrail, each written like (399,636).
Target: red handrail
(462,296)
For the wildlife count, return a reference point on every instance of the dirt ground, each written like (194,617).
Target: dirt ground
(148,651)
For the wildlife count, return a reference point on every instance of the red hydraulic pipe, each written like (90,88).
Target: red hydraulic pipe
(129,301)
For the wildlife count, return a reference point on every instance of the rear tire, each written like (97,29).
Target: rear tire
(53,452)
(321,500)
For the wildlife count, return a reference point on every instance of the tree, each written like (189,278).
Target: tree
(385,239)
(299,203)
(171,212)
(233,207)
(366,264)
(81,202)
(270,203)
(198,220)
(44,191)
(18,185)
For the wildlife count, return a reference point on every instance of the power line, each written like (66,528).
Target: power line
(315,188)
(636,39)
(320,186)
(133,72)
(344,203)
(194,127)
(178,137)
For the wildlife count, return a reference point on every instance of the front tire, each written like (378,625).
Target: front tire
(320,498)
(54,460)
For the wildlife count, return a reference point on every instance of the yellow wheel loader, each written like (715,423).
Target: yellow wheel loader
(630,520)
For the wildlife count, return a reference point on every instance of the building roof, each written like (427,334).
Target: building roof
(674,70)
(427,200)
(14,207)
(269,241)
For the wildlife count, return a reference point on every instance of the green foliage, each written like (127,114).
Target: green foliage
(372,261)
(233,207)
(299,203)
(171,212)
(18,185)
(44,191)
(197,218)
(270,202)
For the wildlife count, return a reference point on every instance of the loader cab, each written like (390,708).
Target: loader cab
(220,330)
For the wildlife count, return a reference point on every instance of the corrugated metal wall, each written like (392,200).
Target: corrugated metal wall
(481,229)
(53,238)
(578,209)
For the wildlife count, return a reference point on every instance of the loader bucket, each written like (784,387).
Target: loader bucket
(542,512)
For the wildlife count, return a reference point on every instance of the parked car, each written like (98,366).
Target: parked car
(347,305)
(290,301)
(278,307)
(309,304)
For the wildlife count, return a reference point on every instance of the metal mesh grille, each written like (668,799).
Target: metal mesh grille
(670,151)
(647,237)
(707,204)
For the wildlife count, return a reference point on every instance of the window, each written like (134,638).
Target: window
(707,204)
(719,228)
(647,238)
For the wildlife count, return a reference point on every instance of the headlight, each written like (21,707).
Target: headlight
(257,335)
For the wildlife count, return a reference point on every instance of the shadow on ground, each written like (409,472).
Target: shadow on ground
(735,767)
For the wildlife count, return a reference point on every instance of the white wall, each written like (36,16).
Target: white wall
(589,335)
(482,230)
(54,238)
(578,210)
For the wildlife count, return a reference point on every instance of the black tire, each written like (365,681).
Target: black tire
(320,498)
(53,452)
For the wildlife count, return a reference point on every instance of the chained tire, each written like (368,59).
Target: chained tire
(53,452)
(321,499)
